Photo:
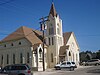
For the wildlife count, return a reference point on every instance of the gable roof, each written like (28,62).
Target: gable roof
(53,10)
(62,51)
(34,36)
(66,37)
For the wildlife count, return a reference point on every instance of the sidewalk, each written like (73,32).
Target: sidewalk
(52,71)
(83,67)
(46,72)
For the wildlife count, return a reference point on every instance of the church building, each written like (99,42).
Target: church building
(25,45)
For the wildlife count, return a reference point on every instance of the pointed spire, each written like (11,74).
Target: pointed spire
(53,10)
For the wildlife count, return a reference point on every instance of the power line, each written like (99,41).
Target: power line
(22,8)
(19,8)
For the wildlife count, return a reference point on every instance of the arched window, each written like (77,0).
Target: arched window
(12,44)
(5,45)
(19,43)
(69,54)
(40,55)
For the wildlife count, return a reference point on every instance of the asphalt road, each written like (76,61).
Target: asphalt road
(94,70)
(86,70)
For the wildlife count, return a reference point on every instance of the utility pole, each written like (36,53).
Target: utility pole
(43,28)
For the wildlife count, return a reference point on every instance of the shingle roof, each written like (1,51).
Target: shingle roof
(62,50)
(66,37)
(53,10)
(34,36)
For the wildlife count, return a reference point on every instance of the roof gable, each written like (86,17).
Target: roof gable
(66,37)
(62,50)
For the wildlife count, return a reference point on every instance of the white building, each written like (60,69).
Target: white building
(25,45)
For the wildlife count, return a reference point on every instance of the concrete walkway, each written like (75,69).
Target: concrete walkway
(52,71)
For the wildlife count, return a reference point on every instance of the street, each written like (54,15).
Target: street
(86,70)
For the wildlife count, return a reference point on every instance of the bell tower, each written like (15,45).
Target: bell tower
(54,36)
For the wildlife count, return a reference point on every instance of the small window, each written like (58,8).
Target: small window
(7,59)
(40,55)
(58,24)
(4,45)
(51,57)
(12,44)
(13,58)
(49,42)
(2,60)
(21,58)
(19,43)
(58,31)
(69,54)
(28,57)
(52,41)
(51,25)
(51,29)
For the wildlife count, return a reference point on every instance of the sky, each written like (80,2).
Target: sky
(79,16)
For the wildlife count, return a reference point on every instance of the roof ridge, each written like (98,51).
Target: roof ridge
(22,27)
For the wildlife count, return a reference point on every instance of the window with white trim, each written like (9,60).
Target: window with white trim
(40,55)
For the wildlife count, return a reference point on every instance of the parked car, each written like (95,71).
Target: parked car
(74,65)
(0,68)
(17,69)
(93,62)
(65,64)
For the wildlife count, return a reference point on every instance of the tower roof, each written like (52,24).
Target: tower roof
(53,10)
